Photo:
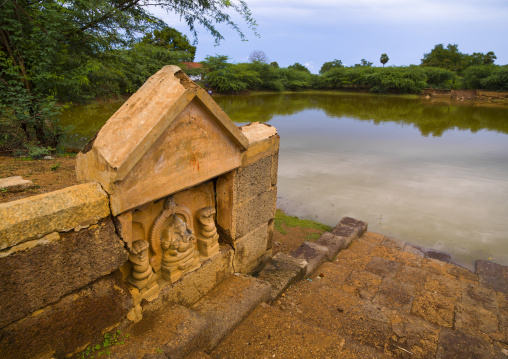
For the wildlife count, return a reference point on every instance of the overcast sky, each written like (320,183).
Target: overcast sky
(312,32)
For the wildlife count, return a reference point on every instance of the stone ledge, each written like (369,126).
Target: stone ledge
(59,211)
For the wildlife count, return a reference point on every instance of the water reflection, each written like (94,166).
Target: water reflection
(430,118)
(431,174)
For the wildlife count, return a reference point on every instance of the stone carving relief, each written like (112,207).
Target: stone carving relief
(142,276)
(168,240)
(208,239)
(173,242)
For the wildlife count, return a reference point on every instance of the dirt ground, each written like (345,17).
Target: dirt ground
(47,175)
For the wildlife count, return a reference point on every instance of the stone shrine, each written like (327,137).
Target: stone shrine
(168,159)
(175,198)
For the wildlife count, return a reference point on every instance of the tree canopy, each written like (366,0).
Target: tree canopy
(327,66)
(53,50)
(452,59)
(299,67)
(171,39)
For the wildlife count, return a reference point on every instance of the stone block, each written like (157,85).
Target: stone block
(382,267)
(15,184)
(59,211)
(313,253)
(281,271)
(440,256)
(254,213)
(253,180)
(76,320)
(249,248)
(455,344)
(33,277)
(361,226)
(229,303)
(395,295)
(478,296)
(174,330)
(492,276)
(263,141)
(193,286)
(346,232)
(332,242)
(434,307)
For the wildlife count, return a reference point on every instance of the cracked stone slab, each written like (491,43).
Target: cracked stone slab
(229,303)
(281,271)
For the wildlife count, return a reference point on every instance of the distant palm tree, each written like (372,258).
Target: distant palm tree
(384,59)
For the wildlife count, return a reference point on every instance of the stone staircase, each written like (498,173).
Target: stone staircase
(175,331)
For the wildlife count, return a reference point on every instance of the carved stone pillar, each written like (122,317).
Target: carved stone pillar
(208,239)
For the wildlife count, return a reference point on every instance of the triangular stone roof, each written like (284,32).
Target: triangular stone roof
(170,135)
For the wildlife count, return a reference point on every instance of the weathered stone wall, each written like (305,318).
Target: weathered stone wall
(57,291)
(246,199)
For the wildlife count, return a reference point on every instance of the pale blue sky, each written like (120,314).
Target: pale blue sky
(312,32)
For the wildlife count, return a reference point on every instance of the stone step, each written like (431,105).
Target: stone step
(178,332)
(229,303)
(271,333)
(281,271)
(173,332)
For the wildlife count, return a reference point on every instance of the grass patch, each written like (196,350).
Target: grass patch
(282,221)
(104,349)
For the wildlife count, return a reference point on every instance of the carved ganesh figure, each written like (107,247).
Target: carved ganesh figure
(179,253)
(173,243)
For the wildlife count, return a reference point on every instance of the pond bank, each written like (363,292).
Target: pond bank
(478,97)
(381,297)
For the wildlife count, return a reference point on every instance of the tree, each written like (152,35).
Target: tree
(384,59)
(364,63)
(274,64)
(299,67)
(447,58)
(171,39)
(478,58)
(258,56)
(327,66)
(53,48)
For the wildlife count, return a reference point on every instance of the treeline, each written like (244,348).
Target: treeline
(226,77)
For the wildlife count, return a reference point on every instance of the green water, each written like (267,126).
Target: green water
(427,173)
